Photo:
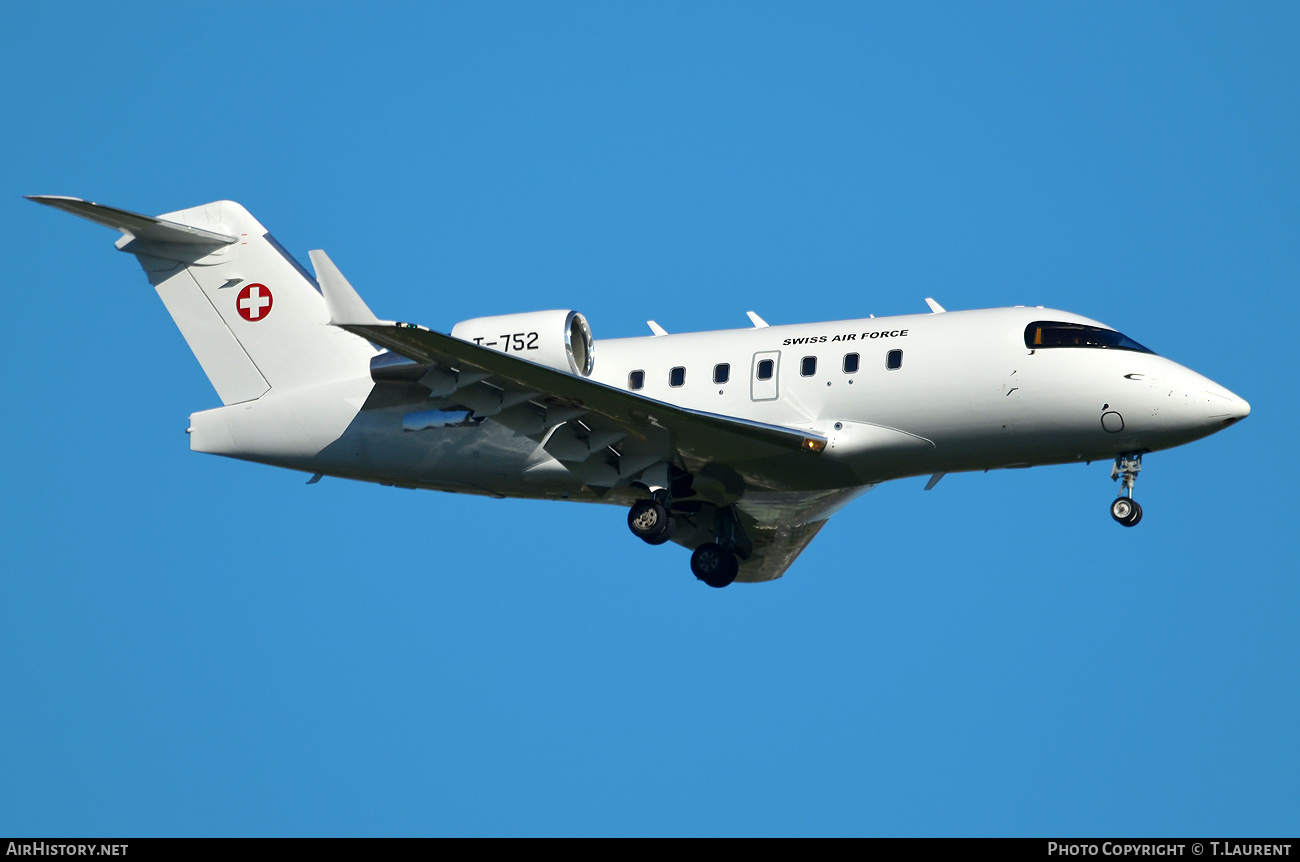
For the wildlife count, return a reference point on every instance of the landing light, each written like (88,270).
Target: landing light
(814,445)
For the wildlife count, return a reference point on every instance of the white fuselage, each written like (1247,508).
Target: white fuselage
(968,394)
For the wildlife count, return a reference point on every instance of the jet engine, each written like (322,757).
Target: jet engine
(558,339)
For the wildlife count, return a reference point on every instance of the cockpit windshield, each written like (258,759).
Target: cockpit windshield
(1047,333)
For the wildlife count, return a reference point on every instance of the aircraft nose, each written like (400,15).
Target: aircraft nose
(1224,408)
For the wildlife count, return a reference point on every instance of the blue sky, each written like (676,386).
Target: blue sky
(192,645)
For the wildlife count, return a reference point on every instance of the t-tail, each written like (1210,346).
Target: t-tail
(253,316)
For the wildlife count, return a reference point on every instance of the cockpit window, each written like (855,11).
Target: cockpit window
(1047,333)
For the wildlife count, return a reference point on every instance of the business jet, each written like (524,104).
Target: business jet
(737,445)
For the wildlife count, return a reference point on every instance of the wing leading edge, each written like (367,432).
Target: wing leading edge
(424,345)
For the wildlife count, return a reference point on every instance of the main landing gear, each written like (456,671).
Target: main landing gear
(1125,509)
(713,562)
(714,565)
(651,522)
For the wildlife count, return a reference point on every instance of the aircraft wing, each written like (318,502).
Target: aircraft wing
(426,346)
(608,437)
(605,435)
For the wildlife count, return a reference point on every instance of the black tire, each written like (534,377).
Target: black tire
(1126,511)
(714,565)
(667,532)
(649,520)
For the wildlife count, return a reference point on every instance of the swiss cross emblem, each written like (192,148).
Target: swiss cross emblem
(254,302)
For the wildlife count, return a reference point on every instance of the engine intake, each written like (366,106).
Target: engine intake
(556,339)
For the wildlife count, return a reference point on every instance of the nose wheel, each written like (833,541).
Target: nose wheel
(1125,509)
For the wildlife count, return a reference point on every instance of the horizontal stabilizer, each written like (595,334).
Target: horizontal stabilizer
(341,298)
(140,226)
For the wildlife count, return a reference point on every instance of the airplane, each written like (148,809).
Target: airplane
(736,444)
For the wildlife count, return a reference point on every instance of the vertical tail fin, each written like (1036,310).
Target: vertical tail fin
(253,316)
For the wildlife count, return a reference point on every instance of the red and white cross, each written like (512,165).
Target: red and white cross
(254,302)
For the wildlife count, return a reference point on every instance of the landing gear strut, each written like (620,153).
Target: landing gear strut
(1125,509)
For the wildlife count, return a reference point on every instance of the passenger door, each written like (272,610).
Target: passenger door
(763,375)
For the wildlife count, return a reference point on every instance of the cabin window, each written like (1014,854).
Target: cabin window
(1046,333)
(850,363)
(765,368)
(721,372)
(636,380)
(808,366)
(677,376)
(894,360)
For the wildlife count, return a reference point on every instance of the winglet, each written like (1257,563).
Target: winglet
(656,328)
(759,323)
(344,305)
(137,225)
(935,307)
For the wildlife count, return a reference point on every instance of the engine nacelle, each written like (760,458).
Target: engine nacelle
(558,339)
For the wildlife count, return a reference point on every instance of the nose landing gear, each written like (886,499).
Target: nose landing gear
(1125,509)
